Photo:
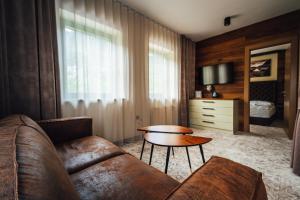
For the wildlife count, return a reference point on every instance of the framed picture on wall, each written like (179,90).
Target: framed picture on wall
(264,68)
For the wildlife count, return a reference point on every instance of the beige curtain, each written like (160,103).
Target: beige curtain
(109,55)
(187,81)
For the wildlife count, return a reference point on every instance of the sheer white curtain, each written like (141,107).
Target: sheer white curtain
(110,58)
(164,70)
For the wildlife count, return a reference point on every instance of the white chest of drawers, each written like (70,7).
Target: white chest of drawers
(211,113)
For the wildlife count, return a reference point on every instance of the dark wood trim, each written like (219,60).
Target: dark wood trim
(246,89)
(291,38)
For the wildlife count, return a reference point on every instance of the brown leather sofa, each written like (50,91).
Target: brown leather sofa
(60,159)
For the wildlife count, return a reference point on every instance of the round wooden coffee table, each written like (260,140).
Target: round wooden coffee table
(166,129)
(172,140)
(171,129)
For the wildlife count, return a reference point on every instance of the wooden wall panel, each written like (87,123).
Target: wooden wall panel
(228,51)
(230,47)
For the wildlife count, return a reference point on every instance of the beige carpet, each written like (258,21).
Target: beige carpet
(267,150)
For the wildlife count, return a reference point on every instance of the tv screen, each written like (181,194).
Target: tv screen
(209,75)
(225,73)
(216,74)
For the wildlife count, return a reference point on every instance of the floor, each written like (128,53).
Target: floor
(277,123)
(267,150)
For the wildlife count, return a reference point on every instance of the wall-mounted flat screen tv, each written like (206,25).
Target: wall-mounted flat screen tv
(216,74)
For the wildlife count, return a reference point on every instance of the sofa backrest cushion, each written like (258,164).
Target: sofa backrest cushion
(34,170)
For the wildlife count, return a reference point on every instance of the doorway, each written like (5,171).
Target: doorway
(271,84)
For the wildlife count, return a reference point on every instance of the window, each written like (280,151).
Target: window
(92,60)
(163,73)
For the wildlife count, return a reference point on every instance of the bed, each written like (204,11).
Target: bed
(262,112)
(262,103)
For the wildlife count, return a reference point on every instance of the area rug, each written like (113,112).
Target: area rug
(266,149)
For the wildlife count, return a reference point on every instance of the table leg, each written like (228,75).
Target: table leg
(173,151)
(202,154)
(188,156)
(152,146)
(167,160)
(141,156)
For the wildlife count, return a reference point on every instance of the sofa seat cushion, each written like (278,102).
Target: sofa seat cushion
(221,178)
(122,177)
(84,152)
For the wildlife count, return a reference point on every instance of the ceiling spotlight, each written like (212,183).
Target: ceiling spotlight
(227,21)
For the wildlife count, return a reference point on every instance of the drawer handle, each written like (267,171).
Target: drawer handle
(208,108)
(206,115)
(208,122)
(208,102)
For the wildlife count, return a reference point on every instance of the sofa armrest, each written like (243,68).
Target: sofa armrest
(66,129)
(221,178)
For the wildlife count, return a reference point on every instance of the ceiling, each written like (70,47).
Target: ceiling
(201,19)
